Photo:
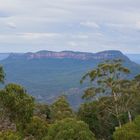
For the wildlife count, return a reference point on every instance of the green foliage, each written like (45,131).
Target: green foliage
(60,109)
(37,129)
(18,106)
(43,111)
(129,131)
(2,75)
(10,135)
(100,122)
(69,129)
(107,79)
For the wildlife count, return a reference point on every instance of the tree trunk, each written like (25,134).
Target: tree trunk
(116,109)
(120,125)
(129,116)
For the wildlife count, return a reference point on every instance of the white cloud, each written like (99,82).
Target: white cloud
(138,24)
(72,43)
(11,25)
(39,35)
(80,36)
(90,24)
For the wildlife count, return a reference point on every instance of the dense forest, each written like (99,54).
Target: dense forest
(111,110)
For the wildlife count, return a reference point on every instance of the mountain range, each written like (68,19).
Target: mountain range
(69,55)
(47,75)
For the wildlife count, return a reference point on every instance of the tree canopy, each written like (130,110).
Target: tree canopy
(107,80)
(69,129)
(61,109)
(36,129)
(16,104)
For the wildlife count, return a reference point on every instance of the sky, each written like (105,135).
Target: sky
(78,25)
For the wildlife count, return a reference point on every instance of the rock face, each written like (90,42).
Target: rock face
(71,55)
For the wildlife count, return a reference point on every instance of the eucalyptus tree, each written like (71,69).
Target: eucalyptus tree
(105,80)
(129,95)
(136,87)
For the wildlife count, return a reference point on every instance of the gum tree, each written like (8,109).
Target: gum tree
(106,81)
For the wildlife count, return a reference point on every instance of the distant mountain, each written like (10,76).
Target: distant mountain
(70,55)
(47,75)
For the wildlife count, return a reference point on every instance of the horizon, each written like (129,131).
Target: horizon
(69,51)
(82,25)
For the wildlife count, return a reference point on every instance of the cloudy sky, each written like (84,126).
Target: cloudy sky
(79,25)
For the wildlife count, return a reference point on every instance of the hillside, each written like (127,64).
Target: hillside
(47,75)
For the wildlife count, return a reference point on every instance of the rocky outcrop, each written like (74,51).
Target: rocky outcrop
(70,54)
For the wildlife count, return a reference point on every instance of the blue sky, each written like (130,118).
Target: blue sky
(79,25)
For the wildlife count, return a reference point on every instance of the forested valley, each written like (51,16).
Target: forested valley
(111,110)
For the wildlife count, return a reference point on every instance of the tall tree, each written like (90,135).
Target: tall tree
(129,95)
(105,80)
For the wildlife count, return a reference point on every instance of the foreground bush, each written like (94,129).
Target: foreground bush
(37,129)
(100,122)
(16,105)
(69,129)
(10,135)
(129,131)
